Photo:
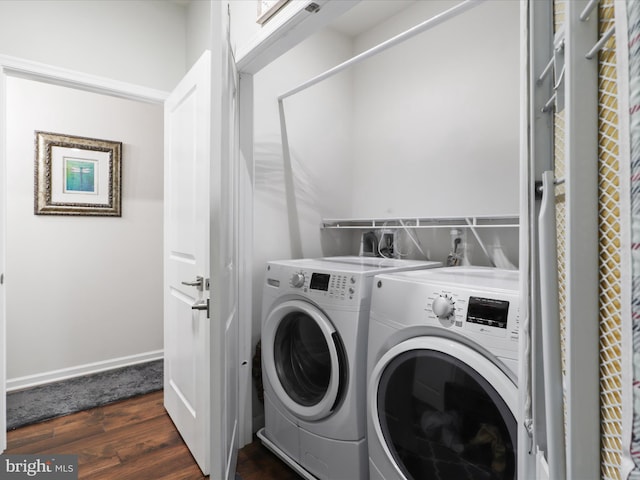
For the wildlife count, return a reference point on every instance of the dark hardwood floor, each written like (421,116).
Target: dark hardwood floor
(133,440)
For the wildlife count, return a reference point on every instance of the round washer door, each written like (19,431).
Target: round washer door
(442,410)
(304,359)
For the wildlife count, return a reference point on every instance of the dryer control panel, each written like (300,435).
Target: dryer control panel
(479,303)
(488,311)
(495,316)
(490,318)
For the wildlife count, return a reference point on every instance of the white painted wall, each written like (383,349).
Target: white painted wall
(436,118)
(436,124)
(136,41)
(198,30)
(80,289)
(243,22)
(427,128)
(320,123)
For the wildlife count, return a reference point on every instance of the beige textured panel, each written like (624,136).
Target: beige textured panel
(561,215)
(609,239)
(561,227)
(559,7)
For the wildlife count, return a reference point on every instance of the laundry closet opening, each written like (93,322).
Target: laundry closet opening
(426,129)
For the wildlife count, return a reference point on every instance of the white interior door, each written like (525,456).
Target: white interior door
(187,259)
(201,354)
(224,227)
(3,328)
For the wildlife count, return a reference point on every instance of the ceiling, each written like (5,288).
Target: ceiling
(367,14)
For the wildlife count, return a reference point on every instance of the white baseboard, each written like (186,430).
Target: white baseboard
(80,370)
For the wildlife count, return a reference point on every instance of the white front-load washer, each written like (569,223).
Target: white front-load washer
(442,375)
(314,338)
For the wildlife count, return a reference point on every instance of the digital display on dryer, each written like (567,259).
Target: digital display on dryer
(487,311)
(320,281)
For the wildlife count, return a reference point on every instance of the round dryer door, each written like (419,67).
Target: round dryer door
(304,359)
(442,410)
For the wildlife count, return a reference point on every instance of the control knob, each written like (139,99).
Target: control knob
(297,280)
(443,307)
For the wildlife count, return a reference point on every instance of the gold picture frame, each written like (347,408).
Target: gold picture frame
(267,8)
(77,176)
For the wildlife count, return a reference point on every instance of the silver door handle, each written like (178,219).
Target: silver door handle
(201,305)
(198,283)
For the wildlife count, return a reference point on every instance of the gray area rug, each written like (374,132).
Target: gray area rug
(44,402)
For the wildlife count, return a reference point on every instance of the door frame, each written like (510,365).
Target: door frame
(20,68)
(288,28)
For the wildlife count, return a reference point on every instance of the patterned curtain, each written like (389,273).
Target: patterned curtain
(633,15)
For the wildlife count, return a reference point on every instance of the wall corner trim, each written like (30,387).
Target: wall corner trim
(74,79)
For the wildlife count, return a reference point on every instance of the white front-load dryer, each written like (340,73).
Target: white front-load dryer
(314,337)
(442,375)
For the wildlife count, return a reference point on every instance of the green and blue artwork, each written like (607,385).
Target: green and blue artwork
(80,176)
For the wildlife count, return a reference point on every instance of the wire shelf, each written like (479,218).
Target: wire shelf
(499,221)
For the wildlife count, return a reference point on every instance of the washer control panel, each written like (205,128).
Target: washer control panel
(338,286)
(333,284)
(298,280)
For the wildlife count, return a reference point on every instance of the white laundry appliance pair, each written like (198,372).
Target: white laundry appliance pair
(442,375)
(315,318)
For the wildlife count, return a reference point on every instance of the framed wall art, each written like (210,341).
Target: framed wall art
(77,176)
(267,8)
